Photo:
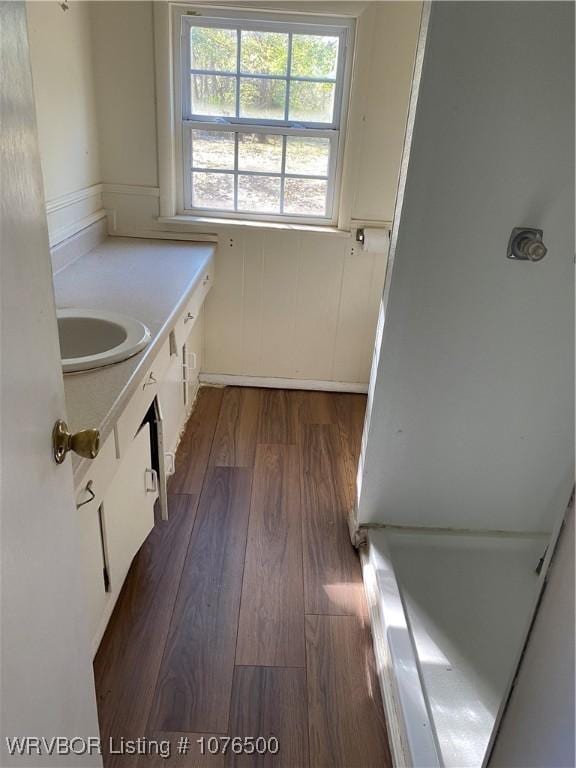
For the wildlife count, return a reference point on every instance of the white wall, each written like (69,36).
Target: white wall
(294,305)
(123,39)
(472,413)
(391,29)
(538,726)
(264,316)
(61,57)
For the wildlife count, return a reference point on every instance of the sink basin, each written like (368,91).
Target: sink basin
(90,338)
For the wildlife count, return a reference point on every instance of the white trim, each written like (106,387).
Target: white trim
(71,249)
(376,223)
(212,221)
(63,233)
(250,11)
(165,107)
(159,234)
(226,379)
(173,149)
(131,189)
(71,198)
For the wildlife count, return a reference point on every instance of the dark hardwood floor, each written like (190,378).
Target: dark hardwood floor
(244,614)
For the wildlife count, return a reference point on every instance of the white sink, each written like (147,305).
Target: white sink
(90,338)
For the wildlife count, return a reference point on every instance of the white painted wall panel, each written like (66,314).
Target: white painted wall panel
(224,309)
(252,327)
(362,280)
(319,284)
(284,305)
(279,291)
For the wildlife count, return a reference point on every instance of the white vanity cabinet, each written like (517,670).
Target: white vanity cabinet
(115,499)
(179,386)
(115,512)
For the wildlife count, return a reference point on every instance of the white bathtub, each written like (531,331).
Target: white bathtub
(449,615)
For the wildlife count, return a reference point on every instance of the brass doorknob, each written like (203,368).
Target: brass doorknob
(85,443)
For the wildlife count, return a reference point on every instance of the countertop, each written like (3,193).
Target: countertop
(150,280)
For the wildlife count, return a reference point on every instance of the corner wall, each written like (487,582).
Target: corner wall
(289,304)
(61,58)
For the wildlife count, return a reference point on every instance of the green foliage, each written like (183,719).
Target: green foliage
(262,53)
(314,56)
(213,49)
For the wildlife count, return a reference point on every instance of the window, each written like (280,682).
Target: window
(261,116)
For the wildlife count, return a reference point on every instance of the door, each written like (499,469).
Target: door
(129,507)
(45,665)
(172,405)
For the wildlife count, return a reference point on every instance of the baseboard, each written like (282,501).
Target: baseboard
(233,380)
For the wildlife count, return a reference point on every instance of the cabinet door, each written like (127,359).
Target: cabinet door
(129,507)
(89,496)
(172,405)
(95,593)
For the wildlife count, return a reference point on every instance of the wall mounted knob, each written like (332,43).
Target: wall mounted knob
(525,244)
(85,443)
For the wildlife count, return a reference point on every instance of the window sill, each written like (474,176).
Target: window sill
(211,221)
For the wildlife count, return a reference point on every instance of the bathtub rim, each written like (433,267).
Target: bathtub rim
(411,730)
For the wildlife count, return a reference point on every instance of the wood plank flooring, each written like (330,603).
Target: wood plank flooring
(244,614)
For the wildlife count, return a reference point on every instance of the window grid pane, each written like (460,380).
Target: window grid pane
(263,53)
(212,49)
(259,182)
(249,79)
(302,97)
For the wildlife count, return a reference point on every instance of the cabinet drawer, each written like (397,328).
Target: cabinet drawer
(189,317)
(135,411)
(205,283)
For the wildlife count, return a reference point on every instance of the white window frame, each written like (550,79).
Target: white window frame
(185,121)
